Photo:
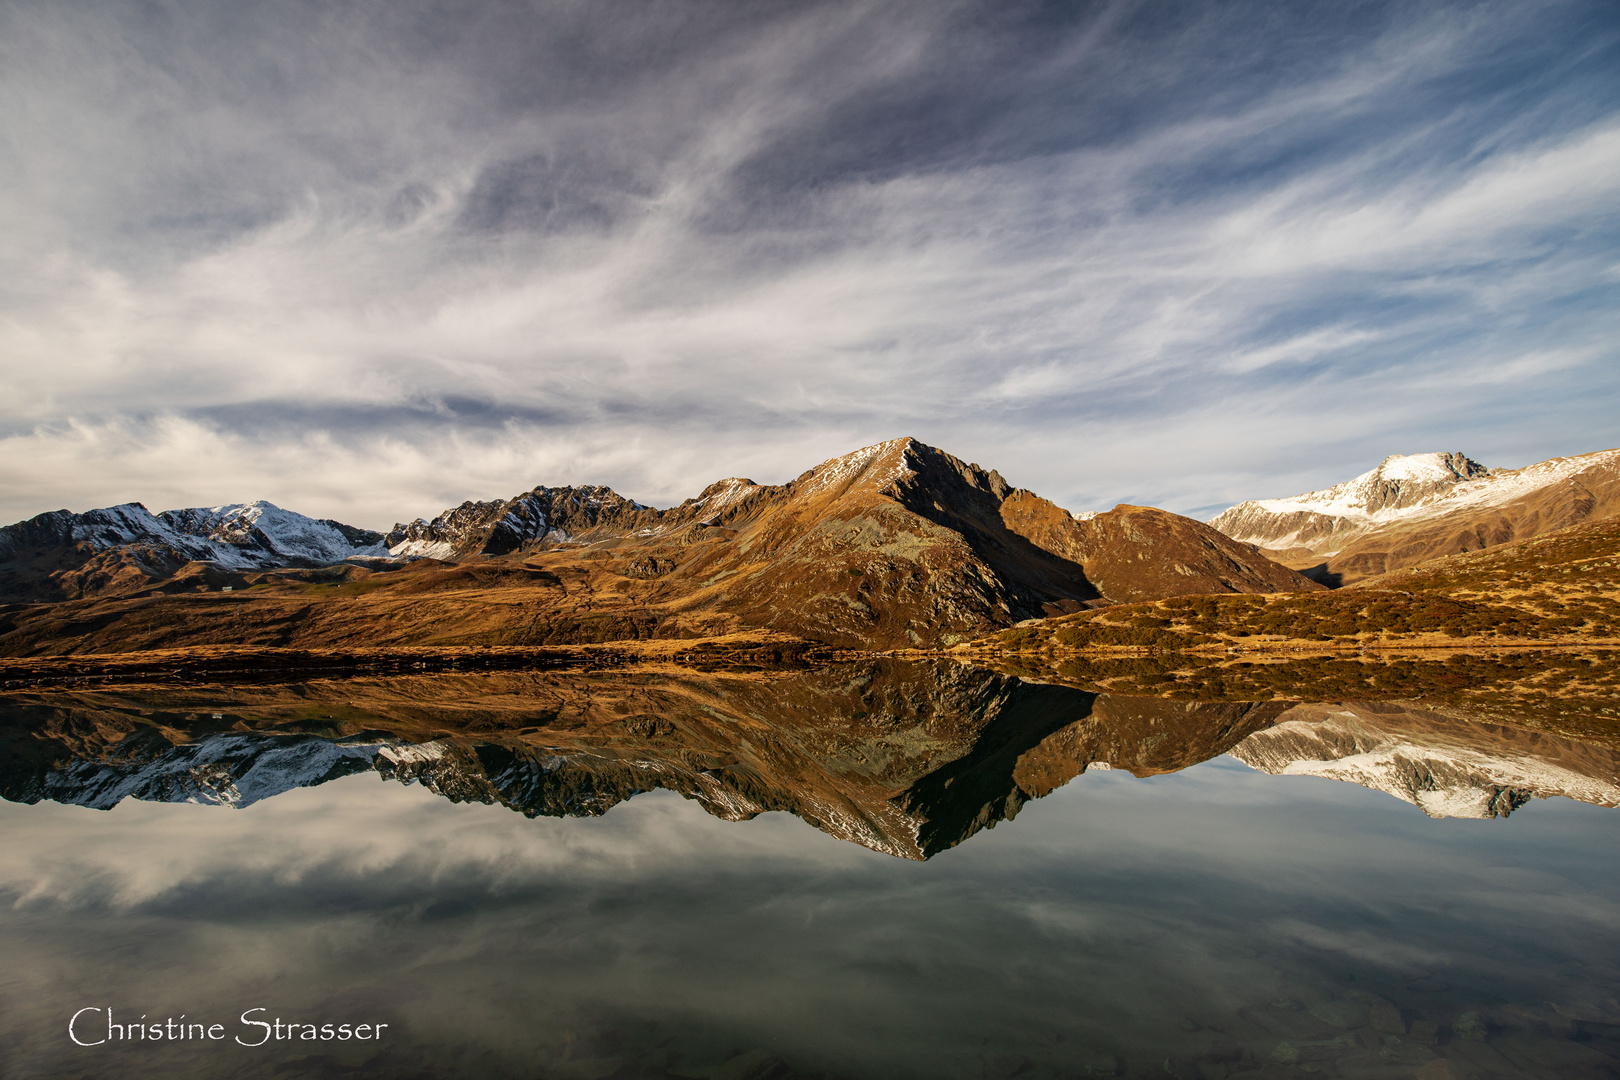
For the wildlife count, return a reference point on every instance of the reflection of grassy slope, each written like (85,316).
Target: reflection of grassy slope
(905,757)
(1573,691)
(1563,587)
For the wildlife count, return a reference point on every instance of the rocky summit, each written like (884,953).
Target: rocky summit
(1414,508)
(895,545)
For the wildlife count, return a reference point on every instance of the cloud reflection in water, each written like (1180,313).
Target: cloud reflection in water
(1120,918)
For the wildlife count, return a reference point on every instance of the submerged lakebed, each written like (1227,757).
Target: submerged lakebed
(801,872)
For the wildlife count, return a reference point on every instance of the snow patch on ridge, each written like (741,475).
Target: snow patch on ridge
(733,489)
(232,770)
(1367,496)
(842,471)
(1434,467)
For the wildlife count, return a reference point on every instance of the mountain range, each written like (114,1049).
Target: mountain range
(1411,509)
(895,545)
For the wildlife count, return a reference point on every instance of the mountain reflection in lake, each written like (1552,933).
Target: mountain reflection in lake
(1215,922)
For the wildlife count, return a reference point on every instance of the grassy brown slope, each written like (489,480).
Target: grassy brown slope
(1135,553)
(1561,588)
(569,601)
(250,664)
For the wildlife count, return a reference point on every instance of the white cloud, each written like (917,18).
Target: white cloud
(221,287)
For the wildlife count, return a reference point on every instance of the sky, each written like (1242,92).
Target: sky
(369,259)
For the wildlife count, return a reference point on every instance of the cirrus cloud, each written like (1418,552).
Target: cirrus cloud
(371,260)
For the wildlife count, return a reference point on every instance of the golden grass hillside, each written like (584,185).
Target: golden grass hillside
(1562,588)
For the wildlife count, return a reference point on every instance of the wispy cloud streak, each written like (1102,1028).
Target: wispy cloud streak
(367,261)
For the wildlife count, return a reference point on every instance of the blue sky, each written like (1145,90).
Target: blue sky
(367,260)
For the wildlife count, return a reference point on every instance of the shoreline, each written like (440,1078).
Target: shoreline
(251,663)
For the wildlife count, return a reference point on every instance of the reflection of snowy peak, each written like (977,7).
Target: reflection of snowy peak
(1445,768)
(237,769)
(239,536)
(908,759)
(226,770)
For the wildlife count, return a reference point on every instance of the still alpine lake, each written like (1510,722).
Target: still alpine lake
(863,870)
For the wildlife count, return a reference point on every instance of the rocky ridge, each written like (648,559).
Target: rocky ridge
(555,515)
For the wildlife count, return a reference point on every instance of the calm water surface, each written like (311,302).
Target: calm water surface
(1211,922)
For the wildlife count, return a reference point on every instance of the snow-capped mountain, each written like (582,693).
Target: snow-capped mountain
(1323,521)
(1446,768)
(238,536)
(1417,507)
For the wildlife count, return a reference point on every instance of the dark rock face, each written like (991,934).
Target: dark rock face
(499,528)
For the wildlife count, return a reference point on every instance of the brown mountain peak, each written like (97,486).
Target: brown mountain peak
(894,544)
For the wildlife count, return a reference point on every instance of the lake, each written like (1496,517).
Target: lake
(862,870)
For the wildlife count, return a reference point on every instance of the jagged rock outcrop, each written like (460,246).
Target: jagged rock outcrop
(545,514)
(1411,509)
